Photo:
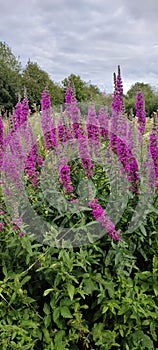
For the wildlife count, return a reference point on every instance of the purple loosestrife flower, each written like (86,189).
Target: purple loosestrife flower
(68,97)
(2,141)
(127,160)
(92,123)
(21,234)
(129,163)
(65,177)
(48,124)
(140,112)
(61,131)
(119,88)
(21,112)
(117,108)
(153,146)
(13,163)
(72,110)
(99,214)
(34,159)
(1,132)
(118,134)
(132,170)
(114,118)
(17,119)
(93,130)
(64,132)
(117,102)
(24,110)
(103,118)
(114,104)
(85,155)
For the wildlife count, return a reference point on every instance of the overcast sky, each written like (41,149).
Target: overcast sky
(85,37)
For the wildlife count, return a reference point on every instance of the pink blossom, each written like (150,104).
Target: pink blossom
(99,214)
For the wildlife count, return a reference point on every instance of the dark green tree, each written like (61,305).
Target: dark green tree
(36,80)
(150,96)
(81,88)
(10,78)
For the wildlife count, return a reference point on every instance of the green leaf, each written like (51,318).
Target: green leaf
(145,339)
(47,291)
(105,308)
(65,312)
(25,280)
(71,290)
(28,323)
(47,321)
(143,230)
(155,287)
(46,309)
(46,336)
(56,314)
(59,336)
(4,269)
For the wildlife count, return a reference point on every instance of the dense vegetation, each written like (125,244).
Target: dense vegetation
(82,277)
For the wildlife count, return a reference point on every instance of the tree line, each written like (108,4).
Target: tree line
(14,78)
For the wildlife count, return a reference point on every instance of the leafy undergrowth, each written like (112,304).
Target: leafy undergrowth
(100,296)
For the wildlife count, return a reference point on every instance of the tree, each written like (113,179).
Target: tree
(81,88)
(10,78)
(150,97)
(36,80)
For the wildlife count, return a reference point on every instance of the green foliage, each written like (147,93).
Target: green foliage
(81,88)
(150,97)
(10,78)
(35,80)
(84,92)
(100,296)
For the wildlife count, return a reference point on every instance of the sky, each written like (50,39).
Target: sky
(89,38)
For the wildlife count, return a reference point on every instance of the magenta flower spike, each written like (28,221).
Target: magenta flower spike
(100,215)
(24,110)
(103,118)
(93,129)
(2,141)
(18,113)
(65,177)
(153,146)
(85,155)
(72,111)
(140,112)
(48,124)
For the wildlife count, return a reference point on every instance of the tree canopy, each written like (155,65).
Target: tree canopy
(36,80)
(150,97)
(10,78)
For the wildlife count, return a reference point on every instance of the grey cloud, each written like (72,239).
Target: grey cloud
(143,9)
(85,37)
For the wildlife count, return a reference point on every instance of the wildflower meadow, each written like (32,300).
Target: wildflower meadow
(79,226)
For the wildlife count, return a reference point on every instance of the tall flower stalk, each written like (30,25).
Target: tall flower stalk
(140,112)
(93,130)
(2,141)
(100,215)
(85,155)
(118,134)
(103,118)
(153,145)
(48,124)
(72,111)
